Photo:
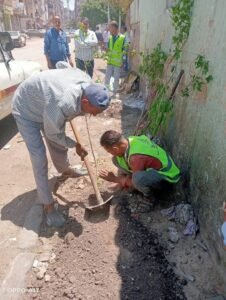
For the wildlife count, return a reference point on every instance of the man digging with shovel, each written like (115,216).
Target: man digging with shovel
(44,103)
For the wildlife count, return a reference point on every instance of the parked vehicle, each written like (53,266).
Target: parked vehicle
(35,32)
(19,39)
(12,73)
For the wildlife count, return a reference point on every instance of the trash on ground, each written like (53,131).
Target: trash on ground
(7,147)
(183,214)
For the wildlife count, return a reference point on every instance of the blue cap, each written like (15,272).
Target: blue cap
(97,95)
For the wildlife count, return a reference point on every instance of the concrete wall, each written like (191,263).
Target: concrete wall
(197,132)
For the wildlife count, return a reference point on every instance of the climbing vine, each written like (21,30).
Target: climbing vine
(181,21)
(200,77)
(153,64)
(152,68)
(160,106)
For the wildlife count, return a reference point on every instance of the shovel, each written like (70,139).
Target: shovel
(100,201)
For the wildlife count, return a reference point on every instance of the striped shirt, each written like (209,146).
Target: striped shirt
(51,97)
(85,44)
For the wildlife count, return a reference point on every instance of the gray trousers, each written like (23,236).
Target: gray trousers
(112,71)
(145,181)
(31,133)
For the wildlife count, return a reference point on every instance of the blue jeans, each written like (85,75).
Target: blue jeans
(31,133)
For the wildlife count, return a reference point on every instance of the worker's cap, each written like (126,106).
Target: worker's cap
(98,95)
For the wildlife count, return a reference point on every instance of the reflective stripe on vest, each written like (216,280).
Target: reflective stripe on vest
(144,146)
(116,50)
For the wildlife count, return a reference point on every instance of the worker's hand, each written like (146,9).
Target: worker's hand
(123,181)
(71,62)
(108,176)
(81,151)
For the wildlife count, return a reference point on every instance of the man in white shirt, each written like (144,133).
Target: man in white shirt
(85,46)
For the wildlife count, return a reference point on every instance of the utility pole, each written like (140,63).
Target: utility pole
(108,12)
(119,19)
(68,13)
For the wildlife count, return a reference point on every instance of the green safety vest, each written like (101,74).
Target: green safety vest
(116,51)
(144,146)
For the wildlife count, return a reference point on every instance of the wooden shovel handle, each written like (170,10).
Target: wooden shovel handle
(88,166)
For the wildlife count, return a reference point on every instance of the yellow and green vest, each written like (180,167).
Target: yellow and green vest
(144,146)
(116,51)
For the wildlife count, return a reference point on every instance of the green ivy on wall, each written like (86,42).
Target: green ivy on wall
(152,66)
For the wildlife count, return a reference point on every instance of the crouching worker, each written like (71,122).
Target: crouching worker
(144,165)
(43,103)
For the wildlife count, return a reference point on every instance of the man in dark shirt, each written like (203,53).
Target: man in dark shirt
(56,46)
(99,35)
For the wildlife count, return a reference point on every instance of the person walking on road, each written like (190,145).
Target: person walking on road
(115,51)
(43,103)
(56,47)
(85,47)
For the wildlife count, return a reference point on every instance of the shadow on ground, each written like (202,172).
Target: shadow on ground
(144,270)
(8,129)
(18,209)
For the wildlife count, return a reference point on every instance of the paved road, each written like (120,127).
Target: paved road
(34,51)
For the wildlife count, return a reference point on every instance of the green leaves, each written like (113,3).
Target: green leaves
(181,20)
(96,12)
(209,78)
(200,77)
(197,83)
(153,63)
(161,108)
(202,64)
(185,92)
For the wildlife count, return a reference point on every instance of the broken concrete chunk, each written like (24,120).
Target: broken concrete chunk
(183,213)
(40,274)
(81,186)
(173,234)
(44,257)
(69,237)
(6,147)
(47,278)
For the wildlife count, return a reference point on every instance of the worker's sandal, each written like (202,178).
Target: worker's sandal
(55,219)
(74,173)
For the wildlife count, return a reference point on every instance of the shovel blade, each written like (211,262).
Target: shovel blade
(99,205)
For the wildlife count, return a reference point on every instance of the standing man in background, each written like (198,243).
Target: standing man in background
(125,58)
(85,46)
(106,35)
(100,39)
(115,51)
(56,46)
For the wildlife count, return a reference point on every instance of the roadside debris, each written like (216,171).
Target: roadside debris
(7,147)
(40,268)
(173,234)
(183,214)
